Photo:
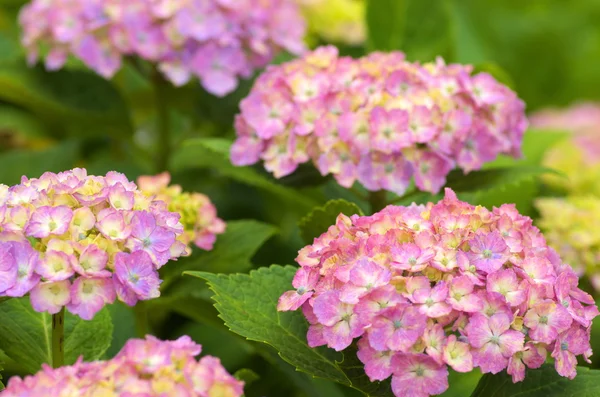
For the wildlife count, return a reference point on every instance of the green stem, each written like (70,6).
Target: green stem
(58,339)
(378,200)
(142,325)
(163,123)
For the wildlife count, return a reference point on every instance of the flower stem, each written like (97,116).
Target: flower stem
(163,123)
(142,325)
(378,200)
(58,339)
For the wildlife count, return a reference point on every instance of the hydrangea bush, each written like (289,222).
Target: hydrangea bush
(79,241)
(219,41)
(428,287)
(379,120)
(144,367)
(198,215)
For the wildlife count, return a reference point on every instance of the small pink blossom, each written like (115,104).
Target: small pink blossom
(546,320)
(396,329)
(137,274)
(49,220)
(494,340)
(89,296)
(50,296)
(418,375)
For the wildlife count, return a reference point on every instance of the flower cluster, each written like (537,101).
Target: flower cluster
(579,156)
(216,40)
(337,21)
(378,119)
(80,241)
(149,367)
(425,287)
(198,215)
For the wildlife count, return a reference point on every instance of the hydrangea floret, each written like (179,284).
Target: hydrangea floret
(218,41)
(80,241)
(426,288)
(379,120)
(198,215)
(144,367)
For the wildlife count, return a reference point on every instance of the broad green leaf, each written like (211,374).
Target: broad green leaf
(320,218)
(123,320)
(501,178)
(248,305)
(26,335)
(385,24)
(232,251)
(543,382)
(33,163)
(1,384)
(214,153)
(75,102)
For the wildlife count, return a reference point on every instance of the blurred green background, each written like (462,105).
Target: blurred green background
(546,50)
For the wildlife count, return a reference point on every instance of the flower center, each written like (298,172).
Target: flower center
(495,340)
(543,319)
(397,324)
(487,253)
(419,372)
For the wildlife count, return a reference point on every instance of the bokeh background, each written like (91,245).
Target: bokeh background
(548,51)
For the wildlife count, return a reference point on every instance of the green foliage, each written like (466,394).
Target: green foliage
(1,384)
(386,24)
(232,252)
(246,375)
(543,382)
(17,163)
(75,102)
(26,335)
(214,153)
(320,218)
(247,304)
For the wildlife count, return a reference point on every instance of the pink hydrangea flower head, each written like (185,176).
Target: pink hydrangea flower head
(379,120)
(79,241)
(198,215)
(423,288)
(216,41)
(143,367)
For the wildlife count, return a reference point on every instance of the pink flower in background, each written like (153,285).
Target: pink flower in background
(427,287)
(148,367)
(81,241)
(379,120)
(198,216)
(219,42)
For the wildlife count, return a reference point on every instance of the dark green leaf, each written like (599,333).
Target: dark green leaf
(478,182)
(320,218)
(1,384)
(74,101)
(543,382)
(232,252)
(214,153)
(248,305)
(21,123)
(34,163)
(430,30)
(386,24)
(26,335)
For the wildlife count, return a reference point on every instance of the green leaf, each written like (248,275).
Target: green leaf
(232,251)
(26,335)
(385,24)
(246,375)
(248,305)
(501,178)
(77,102)
(321,218)
(543,382)
(214,153)
(33,163)
(1,384)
